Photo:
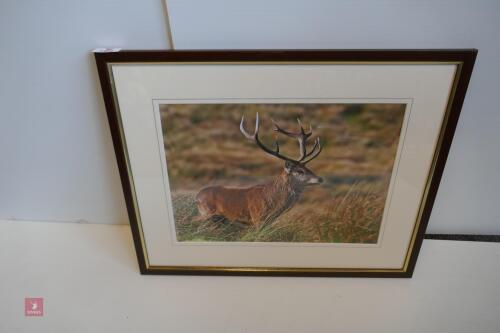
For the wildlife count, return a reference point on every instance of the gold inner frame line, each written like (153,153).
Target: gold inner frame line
(409,252)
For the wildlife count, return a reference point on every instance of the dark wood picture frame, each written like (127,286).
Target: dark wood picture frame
(464,58)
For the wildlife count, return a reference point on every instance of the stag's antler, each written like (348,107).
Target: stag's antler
(301,136)
(255,137)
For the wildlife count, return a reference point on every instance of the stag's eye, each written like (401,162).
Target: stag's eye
(300,172)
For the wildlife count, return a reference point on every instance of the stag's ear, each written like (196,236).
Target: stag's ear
(288,166)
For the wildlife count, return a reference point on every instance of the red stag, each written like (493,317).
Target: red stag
(263,203)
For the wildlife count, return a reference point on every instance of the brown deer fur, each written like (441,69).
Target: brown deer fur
(262,203)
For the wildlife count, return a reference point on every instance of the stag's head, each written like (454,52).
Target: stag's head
(296,169)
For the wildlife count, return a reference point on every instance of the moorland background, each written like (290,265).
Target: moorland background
(204,147)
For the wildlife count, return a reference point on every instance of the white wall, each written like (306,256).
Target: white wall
(57,160)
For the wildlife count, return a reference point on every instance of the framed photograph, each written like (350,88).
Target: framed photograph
(300,163)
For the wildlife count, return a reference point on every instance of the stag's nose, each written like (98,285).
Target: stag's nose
(320,180)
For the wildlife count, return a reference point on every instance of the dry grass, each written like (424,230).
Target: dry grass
(352,216)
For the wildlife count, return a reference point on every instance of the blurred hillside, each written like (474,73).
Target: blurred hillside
(204,145)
